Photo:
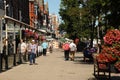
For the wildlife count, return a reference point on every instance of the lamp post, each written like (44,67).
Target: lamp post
(1,45)
(5,6)
(6,34)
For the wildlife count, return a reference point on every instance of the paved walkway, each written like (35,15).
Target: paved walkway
(51,67)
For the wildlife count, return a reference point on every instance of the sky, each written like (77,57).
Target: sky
(54,6)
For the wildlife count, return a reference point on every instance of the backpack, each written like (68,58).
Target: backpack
(66,46)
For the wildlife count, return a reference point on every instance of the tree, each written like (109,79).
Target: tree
(79,17)
(107,12)
(70,13)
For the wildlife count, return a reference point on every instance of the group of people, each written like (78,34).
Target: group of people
(32,48)
(70,49)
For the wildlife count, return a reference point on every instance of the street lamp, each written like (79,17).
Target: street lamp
(6,33)
(1,36)
(6,64)
(6,5)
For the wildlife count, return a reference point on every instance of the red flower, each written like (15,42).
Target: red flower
(112,36)
(117,66)
(111,48)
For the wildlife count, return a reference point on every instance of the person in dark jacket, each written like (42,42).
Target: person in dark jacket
(4,55)
(87,53)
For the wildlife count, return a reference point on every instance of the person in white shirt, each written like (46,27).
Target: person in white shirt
(40,49)
(28,49)
(72,50)
(21,51)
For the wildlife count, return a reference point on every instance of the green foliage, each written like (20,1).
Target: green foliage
(79,17)
(70,13)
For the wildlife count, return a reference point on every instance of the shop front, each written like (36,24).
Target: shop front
(12,31)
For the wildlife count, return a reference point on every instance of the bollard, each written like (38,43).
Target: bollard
(6,62)
(14,61)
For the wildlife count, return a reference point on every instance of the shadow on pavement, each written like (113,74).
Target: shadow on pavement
(105,78)
(79,60)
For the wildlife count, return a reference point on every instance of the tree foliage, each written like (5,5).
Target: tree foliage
(79,17)
(70,13)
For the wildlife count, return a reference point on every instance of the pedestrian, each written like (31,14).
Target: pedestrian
(33,47)
(44,46)
(87,54)
(66,49)
(28,49)
(40,49)
(50,46)
(22,48)
(4,55)
(10,47)
(73,49)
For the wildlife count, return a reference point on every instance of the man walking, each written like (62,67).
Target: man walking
(44,46)
(21,51)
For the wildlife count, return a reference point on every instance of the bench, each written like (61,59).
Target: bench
(87,58)
(102,69)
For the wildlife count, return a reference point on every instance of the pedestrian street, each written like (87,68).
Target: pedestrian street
(51,67)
